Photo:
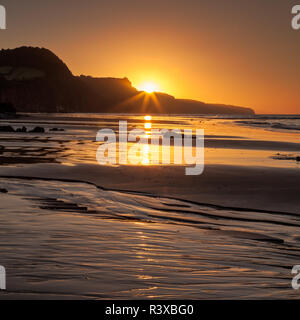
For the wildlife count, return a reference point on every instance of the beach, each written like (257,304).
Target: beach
(71,228)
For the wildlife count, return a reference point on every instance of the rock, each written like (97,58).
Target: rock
(38,130)
(7,129)
(56,129)
(3,190)
(23,129)
(7,111)
(7,108)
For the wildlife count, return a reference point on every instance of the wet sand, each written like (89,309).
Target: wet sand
(72,229)
(230,186)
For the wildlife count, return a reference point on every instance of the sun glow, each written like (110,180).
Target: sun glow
(148,87)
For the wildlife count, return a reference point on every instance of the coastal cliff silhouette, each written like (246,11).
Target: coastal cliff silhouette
(36,80)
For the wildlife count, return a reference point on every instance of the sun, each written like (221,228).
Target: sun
(148,87)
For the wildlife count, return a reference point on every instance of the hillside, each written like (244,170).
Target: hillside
(36,80)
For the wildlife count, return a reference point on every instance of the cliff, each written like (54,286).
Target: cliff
(36,80)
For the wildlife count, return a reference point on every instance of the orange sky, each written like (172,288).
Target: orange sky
(235,51)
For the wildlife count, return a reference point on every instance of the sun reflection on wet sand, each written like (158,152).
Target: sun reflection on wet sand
(225,141)
(146,155)
(148,125)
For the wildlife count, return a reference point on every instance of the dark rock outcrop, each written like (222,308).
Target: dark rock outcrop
(7,110)
(23,129)
(6,107)
(57,129)
(36,80)
(37,130)
(7,129)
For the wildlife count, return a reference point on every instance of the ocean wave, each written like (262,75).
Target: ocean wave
(270,125)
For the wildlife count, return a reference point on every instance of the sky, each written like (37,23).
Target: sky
(240,52)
